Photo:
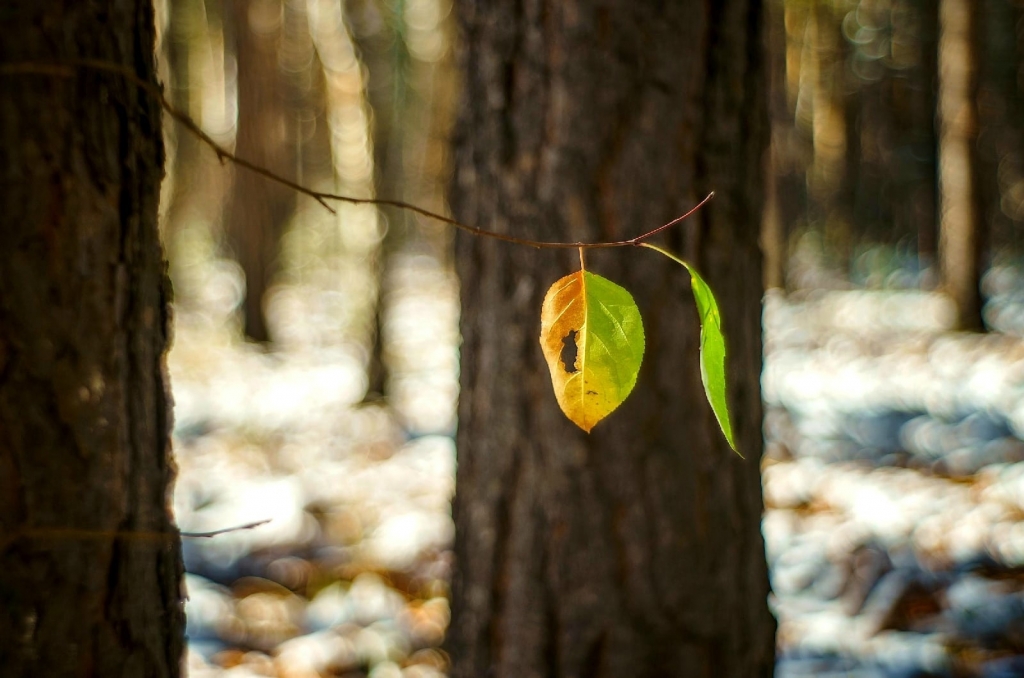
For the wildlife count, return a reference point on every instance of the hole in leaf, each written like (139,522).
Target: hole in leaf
(569,352)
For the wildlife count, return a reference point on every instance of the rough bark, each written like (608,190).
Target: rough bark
(634,551)
(89,556)
(961,211)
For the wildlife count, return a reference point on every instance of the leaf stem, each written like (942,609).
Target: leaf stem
(666,253)
(712,347)
(66,69)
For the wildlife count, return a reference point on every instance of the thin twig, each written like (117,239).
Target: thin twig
(224,530)
(66,69)
(133,535)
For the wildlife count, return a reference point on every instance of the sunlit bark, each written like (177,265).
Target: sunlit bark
(961,214)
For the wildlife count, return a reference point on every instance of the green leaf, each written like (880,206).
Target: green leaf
(593,342)
(712,346)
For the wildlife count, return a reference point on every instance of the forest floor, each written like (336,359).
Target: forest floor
(350,576)
(894,488)
(894,485)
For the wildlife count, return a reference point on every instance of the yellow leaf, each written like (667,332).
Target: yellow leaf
(593,341)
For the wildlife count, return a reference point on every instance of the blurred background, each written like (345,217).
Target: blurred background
(315,361)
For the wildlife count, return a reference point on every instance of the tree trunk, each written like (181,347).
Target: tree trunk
(923,103)
(184,159)
(961,214)
(777,222)
(89,555)
(830,177)
(259,209)
(1000,116)
(634,551)
(379,34)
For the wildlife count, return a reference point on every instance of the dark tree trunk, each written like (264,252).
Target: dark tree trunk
(258,210)
(634,551)
(89,555)
(782,203)
(923,103)
(1000,116)
(835,136)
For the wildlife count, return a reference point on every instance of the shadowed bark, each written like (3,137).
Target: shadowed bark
(89,556)
(634,551)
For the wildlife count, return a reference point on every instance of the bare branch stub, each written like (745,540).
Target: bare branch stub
(65,533)
(224,530)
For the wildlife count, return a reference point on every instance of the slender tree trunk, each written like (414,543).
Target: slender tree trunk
(961,216)
(259,209)
(777,219)
(831,184)
(377,28)
(184,163)
(1000,141)
(198,182)
(634,551)
(924,104)
(407,92)
(89,556)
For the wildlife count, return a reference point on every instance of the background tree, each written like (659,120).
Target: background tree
(409,93)
(636,550)
(961,215)
(90,558)
(257,210)
(786,187)
(378,29)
